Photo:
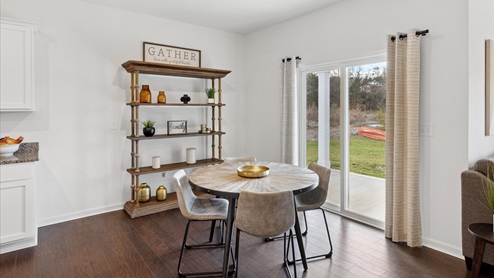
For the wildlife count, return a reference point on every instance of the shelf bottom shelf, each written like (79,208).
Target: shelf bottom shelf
(155,206)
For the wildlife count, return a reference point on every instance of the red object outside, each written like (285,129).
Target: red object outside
(372,133)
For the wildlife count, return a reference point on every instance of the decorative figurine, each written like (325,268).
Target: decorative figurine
(185,99)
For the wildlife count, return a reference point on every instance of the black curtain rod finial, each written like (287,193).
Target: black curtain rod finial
(289,59)
(418,34)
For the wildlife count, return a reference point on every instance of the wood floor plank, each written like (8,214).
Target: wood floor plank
(77,252)
(7,264)
(113,245)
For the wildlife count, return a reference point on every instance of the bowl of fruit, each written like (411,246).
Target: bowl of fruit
(8,146)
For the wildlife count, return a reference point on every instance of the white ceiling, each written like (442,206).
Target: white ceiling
(236,16)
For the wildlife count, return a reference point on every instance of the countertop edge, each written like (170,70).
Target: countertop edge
(28,152)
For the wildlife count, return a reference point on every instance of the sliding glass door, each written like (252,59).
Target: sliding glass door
(342,127)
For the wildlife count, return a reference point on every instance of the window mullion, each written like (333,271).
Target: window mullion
(344,142)
(323,119)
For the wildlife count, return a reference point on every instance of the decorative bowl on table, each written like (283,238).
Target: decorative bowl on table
(253,171)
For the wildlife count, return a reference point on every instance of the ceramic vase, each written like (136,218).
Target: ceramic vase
(144,192)
(148,131)
(161,193)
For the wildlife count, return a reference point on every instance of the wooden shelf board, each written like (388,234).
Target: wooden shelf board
(173,70)
(176,104)
(166,136)
(155,206)
(173,166)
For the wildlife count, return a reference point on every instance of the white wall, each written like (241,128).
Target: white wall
(81,88)
(480,28)
(356,28)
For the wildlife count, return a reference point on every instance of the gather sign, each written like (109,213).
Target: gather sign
(167,54)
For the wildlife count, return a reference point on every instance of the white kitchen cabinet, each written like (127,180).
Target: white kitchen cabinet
(17,207)
(17,65)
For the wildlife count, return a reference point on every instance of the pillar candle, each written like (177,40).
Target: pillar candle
(191,155)
(156,162)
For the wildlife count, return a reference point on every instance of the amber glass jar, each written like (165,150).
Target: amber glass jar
(145,95)
(161,97)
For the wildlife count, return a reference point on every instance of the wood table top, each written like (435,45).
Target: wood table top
(482,230)
(223,180)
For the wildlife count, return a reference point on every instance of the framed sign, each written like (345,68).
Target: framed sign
(167,54)
(177,127)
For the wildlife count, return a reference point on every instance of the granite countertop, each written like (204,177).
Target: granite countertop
(28,152)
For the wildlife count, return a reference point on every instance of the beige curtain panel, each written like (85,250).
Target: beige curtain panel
(403,221)
(289,109)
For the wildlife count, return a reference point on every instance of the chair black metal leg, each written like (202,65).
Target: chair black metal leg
(329,236)
(207,245)
(182,250)
(326,255)
(286,251)
(211,233)
(184,246)
(237,245)
(293,253)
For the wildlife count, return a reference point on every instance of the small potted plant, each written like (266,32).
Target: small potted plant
(210,93)
(148,129)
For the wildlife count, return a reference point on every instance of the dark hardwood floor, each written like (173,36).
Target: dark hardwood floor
(113,245)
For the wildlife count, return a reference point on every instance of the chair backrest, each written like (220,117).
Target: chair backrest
(323,186)
(265,214)
(486,167)
(185,196)
(246,159)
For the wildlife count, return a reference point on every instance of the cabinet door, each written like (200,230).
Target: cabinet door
(16,68)
(16,213)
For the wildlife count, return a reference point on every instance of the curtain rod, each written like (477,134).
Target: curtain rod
(289,59)
(418,34)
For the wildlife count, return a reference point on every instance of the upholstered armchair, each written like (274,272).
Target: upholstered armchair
(474,209)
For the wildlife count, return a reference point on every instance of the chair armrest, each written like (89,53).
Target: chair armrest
(474,210)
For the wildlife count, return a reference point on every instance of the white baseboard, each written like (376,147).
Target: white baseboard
(443,247)
(79,214)
(19,244)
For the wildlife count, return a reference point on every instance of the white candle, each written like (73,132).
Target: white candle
(191,155)
(156,162)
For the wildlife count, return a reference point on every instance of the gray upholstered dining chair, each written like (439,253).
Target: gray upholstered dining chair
(198,209)
(245,159)
(264,215)
(313,200)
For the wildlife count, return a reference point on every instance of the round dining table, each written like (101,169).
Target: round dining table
(223,180)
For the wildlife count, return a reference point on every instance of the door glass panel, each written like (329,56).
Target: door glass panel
(367,105)
(323,125)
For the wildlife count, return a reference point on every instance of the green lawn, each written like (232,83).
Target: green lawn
(367,156)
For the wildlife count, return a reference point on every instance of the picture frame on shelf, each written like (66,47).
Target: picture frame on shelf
(177,127)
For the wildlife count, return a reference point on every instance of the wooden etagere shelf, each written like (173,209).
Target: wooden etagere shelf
(176,104)
(155,206)
(173,70)
(165,136)
(133,207)
(173,167)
